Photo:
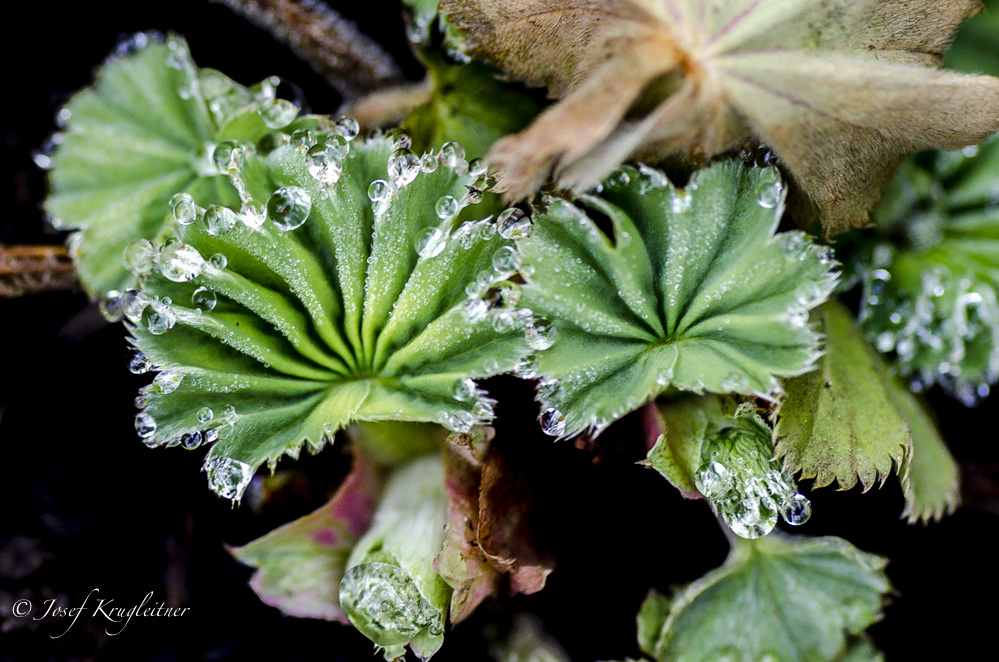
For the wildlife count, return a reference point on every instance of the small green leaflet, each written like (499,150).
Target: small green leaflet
(688,289)
(779,599)
(345,288)
(143,132)
(852,419)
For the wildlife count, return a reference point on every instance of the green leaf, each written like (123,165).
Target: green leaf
(651,287)
(976,45)
(299,565)
(931,276)
(862,651)
(391,591)
(358,314)
(791,599)
(469,105)
(838,422)
(144,131)
(528,641)
(852,419)
(651,618)
(727,458)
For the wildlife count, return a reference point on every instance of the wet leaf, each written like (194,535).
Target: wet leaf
(930,273)
(789,598)
(300,565)
(687,289)
(391,591)
(357,314)
(143,132)
(841,90)
(851,419)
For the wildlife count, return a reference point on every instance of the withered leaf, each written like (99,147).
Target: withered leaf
(841,90)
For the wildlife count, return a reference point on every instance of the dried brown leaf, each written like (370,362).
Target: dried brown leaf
(841,90)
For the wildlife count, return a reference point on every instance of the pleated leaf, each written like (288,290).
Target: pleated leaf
(360,313)
(143,132)
(651,287)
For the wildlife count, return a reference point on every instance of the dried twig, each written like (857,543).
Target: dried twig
(351,61)
(33,269)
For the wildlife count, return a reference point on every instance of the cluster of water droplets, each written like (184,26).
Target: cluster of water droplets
(381,599)
(944,329)
(743,482)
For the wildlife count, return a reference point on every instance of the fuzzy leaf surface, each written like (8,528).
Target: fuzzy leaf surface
(851,419)
(338,320)
(791,598)
(688,289)
(144,131)
(842,90)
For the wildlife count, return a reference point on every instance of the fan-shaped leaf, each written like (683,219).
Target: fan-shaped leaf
(682,288)
(358,314)
(777,598)
(145,131)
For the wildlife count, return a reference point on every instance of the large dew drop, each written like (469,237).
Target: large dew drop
(278,113)
(289,207)
(552,422)
(140,256)
(219,220)
(431,243)
(228,477)
(180,262)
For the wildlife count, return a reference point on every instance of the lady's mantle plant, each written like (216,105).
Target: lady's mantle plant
(286,278)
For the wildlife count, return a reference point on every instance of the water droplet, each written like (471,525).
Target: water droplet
(465,390)
(303,138)
(228,477)
(447,208)
(797,510)
(157,318)
(325,166)
(140,256)
(211,435)
(403,167)
(228,156)
(252,214)
(680,201)
(382,598)
(477,167)
(191,440)
(337,145)
(475,310)
(541,334)
(452,154)
(506,261)
(180,262)
(145,425)
(289,207)
(183,208)
(513,224)
(139,363)
(431,243)
(204,299)
(205,414)
(769,195)
(347,127)
(218,261)
(132,302)
(379,191)
(552,422)
(219,220)
(110,306)
(167,381)
(428,163)
(278,113)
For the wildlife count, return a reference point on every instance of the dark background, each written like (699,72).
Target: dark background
(83,504)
